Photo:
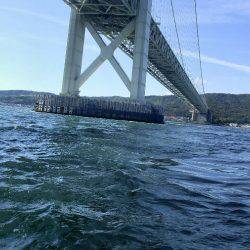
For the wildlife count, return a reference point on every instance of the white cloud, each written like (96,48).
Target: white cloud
(208,59)
(44,17)
(223,11)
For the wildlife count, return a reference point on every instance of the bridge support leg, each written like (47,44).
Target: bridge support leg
(199,118)
(194,117)
(209,116)
(140,58)
(73,61)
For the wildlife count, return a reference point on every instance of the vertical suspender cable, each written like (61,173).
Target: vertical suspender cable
(199,48)
(177,34)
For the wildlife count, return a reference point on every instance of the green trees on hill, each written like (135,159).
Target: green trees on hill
(226,108)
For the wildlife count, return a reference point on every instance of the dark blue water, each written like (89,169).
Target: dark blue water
(79,183)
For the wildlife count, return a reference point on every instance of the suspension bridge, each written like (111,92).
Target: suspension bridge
(137,28)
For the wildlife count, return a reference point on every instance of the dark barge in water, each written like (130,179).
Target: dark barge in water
(100,108)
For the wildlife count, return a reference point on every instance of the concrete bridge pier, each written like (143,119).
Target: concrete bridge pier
(198,117)
(201,118)
(209,116)
(74,53)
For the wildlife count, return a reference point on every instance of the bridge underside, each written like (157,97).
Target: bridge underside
(111,17)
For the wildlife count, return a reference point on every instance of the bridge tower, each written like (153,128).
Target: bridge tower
(139,27)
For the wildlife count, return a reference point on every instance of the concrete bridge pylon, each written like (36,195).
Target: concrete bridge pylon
(139,26)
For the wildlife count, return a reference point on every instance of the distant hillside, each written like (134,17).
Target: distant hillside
(23,97)
(226,108)
(4,93)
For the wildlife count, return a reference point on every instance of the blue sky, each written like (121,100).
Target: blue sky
(33,35)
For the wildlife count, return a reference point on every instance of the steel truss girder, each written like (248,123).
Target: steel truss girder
(166,63)
(104,7)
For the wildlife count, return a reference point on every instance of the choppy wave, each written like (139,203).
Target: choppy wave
(72,182)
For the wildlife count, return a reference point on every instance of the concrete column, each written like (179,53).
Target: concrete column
(140,57)
(73,61)
(209,116)
(198,118)
(194,117)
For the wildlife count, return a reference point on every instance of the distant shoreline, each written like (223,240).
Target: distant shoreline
(228,109)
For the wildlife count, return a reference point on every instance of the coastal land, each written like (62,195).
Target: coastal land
(226,108)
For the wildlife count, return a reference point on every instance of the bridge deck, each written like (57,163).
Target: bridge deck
(109,17)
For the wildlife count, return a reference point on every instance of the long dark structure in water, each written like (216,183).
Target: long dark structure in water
(100,108)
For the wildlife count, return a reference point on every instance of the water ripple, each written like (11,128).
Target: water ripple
(71,182)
